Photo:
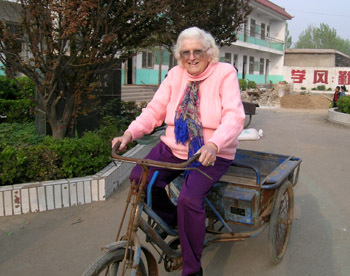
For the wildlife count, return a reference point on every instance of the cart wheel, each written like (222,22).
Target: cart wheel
(281,222)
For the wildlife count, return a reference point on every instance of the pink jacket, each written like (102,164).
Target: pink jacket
(221,110)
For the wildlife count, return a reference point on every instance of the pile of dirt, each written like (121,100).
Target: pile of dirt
(277,97)
(262,97)
(305,102)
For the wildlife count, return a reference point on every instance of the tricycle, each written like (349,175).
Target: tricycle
(256,191)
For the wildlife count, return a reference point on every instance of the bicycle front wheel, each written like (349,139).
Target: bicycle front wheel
(111,263)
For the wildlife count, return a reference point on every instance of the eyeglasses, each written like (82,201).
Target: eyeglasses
(196,53)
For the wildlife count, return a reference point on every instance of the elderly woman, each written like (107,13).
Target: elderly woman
(200,102)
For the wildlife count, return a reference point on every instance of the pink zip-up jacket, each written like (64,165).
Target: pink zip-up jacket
(221,110)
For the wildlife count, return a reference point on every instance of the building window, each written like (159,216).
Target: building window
(251,65)
(262,34)
(268,30)
(235,59)
(228,57)
(14,29)
(147,59)
(252,27)
(261,71)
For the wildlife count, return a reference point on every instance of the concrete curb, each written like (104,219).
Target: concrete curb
(338,117)
(48,195)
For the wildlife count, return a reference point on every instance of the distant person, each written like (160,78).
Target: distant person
(338,94)
(342,91)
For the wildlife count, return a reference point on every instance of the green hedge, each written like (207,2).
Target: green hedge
(17,110)
(242,84)
(54,159)
(251,84)
(19,135)
(25,156)
(13,102)
(9,89)
(343,104)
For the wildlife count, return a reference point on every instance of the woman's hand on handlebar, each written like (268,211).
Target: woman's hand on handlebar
(123,140)
(208,154)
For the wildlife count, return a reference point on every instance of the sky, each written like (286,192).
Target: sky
(335,13)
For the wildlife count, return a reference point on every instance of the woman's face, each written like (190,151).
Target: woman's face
(194,56)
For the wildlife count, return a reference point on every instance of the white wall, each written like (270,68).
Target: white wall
(311,77)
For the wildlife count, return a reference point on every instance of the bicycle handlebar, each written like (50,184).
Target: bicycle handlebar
(158,164)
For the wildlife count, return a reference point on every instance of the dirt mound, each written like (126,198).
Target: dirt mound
(305,101)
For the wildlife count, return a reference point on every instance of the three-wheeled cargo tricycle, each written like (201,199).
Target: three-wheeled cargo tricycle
(256,191)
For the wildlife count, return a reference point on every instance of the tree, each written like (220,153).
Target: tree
(322,37)
(288,38)
(70,44)
(222,18)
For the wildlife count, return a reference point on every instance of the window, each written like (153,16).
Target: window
(251,65)
(268,31)
(228,57)
(262,34)
(235,59)
(252,27)
(256,66)
(147,59)
(261,71)
(14,28)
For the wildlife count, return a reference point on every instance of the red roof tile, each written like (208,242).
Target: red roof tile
(274,7)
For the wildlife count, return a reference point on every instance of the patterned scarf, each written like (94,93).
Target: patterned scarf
(188,126)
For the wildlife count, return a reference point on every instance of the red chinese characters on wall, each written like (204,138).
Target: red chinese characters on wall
(344,78)
(321,76)
(298,76)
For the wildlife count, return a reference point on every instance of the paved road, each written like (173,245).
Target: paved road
(63,242)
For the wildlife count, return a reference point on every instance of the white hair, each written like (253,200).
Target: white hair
(201,35)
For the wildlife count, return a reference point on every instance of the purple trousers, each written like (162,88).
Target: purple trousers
(189,214)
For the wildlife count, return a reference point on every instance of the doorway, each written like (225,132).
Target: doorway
(244,68)
(129,72)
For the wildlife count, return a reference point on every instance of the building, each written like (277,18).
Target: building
(319,69)
(10,16)
(258,53)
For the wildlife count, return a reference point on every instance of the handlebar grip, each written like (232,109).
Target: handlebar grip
(115,149)
(193,158)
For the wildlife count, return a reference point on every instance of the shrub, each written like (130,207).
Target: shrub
(321,87)
(343,104)
(303,88)
(54,159)
(9,89)
(314,88)
(25,156)
(19,135)
(21,110)
(242,84)
(251,84)
(13,102)
(329,89)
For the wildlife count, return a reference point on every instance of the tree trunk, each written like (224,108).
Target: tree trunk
(59,121)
